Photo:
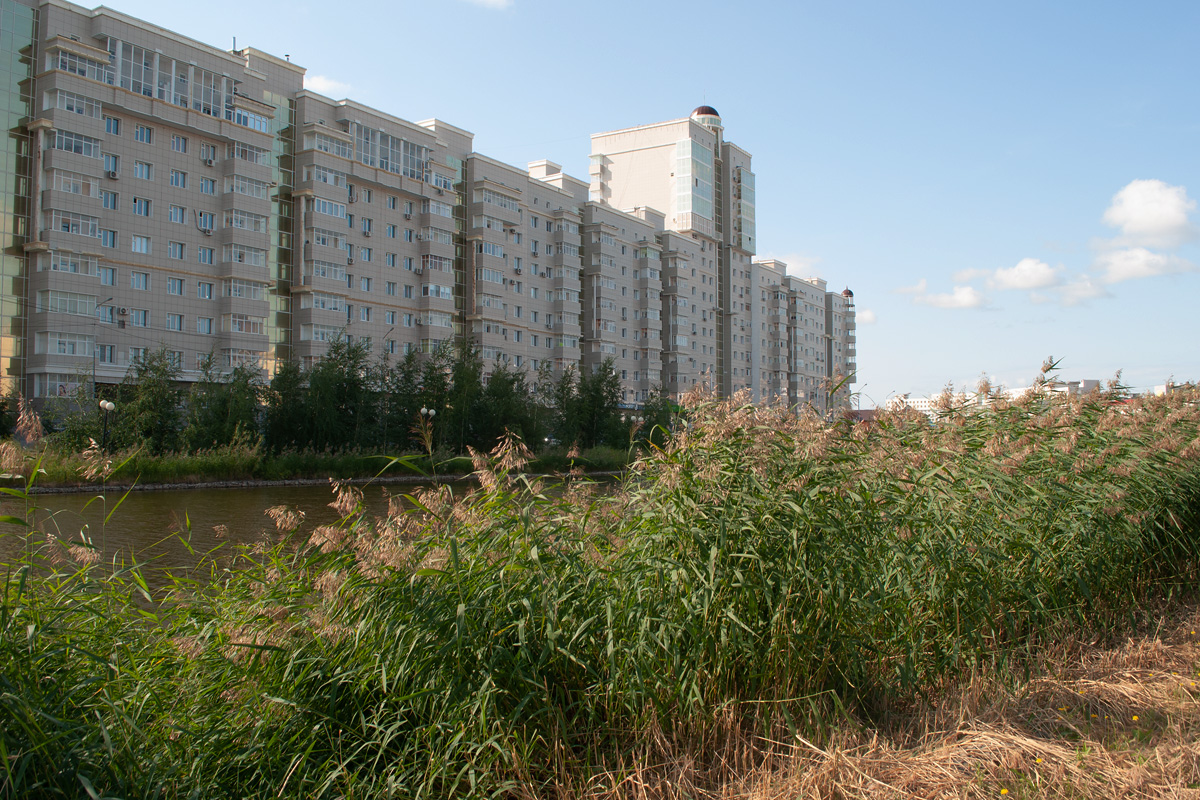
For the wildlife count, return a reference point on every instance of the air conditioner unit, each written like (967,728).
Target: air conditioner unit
(349,260)
(441,191)
(418,271)
(408,216)
(112,174)
(517,270)
(123,311)
(208,162)
(366,233)
(206,231)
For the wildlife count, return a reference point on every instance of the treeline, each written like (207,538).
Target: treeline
(354,400)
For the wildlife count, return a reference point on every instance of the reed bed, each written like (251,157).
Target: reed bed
(756,596)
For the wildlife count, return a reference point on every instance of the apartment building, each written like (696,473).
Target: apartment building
(165,193)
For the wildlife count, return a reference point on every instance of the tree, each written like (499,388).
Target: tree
(340,401)
(223,408)
(148,408)
(598,406)
(286,417)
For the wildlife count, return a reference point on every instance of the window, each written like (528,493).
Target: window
(179,143)
(236,287)
(108,276)
(364,253)
(204,290)
(175,322)
(78,224)
(106,353)
(205,255)
(366,195)
(236,218)
(143,134)
(240,184)
(408,263)
(366,284)
(139,280)
(112,126)
(366,224)
(175,250)
(66,303)
(205,220)
(108,238)
(108,200)
(175,286)
(204,325)
(141,244)
(391,288)
(208,186)
(143,170)
(408,291)
(408,235)
(390,231)
(139,317)
(364,314)
(391,203)
(112,163)
(389,259)
(141,206)
(178,179)
(208,152)
(389,317)
(136,354)
(177,214)
(243,323)
(77,143)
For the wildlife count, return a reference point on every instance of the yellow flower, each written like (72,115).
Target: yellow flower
(1135,717)
(1064,708)
(1038,760)
(1004,791)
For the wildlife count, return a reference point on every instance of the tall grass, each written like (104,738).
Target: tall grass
(517,640)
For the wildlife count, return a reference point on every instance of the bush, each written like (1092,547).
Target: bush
(491,645)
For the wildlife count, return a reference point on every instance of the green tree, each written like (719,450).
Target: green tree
(223,408)
(340,400)
(148,409)
(598,407)
(286,420)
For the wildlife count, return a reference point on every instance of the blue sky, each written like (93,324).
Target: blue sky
(997,183)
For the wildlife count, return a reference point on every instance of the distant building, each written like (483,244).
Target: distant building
(165,193)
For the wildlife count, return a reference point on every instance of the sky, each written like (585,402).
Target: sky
(998,183)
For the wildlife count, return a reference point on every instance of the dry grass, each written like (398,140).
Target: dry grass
(1092,721)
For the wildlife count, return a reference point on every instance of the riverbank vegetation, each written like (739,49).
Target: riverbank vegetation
(344,416)
(769,604)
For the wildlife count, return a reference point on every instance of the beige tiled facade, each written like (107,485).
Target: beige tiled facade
(164,193)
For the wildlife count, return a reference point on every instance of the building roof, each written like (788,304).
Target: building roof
(705,111)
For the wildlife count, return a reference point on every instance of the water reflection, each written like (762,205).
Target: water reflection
(171,529)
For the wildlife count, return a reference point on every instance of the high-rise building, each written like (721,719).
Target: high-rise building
(163,193)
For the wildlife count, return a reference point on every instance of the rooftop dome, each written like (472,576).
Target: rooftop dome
(705,111)
(847,293)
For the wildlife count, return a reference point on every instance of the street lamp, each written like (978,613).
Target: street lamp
(95,345)
(106,406)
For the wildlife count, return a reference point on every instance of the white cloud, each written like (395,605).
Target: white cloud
(1081,289)
(1150,213)
(958,297)
(498,5)
(1138,262)
(1029,273)
(326,86)
(866,316)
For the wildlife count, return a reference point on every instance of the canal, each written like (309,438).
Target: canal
(170,529)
